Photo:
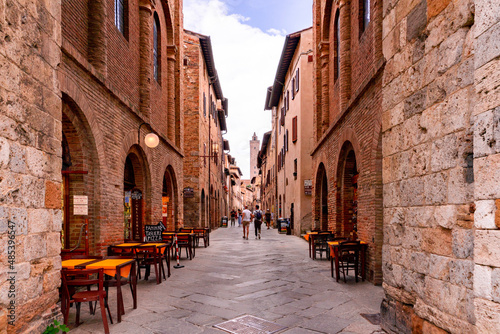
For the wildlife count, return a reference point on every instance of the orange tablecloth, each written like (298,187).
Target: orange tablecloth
(307,235)
(161,245)
(109,266)
(130,244)
(71,263)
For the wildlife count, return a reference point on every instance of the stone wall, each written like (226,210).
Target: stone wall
(486,129)
(30,165)
(440,166)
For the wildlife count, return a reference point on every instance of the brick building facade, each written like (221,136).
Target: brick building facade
(205,112)
(347,154)
(30,165)
(120,79)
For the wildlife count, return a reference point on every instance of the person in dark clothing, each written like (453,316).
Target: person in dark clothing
(257,214)
(268,218)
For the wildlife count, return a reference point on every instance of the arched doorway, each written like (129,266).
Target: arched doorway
(321,198)
(347,194)
(80,174)
(203,209)
(169,200)
(135,194)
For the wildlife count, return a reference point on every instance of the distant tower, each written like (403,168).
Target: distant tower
(254,152)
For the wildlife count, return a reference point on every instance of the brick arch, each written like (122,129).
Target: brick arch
(130,140)
(327,16)
(349,135)
(321,197)
(72,90)
(171,178)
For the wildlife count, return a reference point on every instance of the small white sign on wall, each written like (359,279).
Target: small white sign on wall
(80,205)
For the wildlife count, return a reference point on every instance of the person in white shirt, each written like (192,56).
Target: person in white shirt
(246,218)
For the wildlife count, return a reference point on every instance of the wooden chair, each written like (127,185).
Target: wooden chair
(349,258)
(83,277)
(320,244)
(147,256)
(332,256)
(99,295)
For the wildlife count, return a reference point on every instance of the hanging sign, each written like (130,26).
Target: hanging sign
(153,232)
(80,205)
(188,192)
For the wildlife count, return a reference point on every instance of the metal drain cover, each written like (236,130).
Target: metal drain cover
(249,324)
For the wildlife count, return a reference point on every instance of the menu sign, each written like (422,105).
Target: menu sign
(153,232)
(188,192)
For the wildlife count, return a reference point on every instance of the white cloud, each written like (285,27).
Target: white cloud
(246,59)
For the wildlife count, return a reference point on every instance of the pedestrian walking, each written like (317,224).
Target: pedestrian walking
(257,214)
(239,217)
(233,217)
(268,218)
(246,218)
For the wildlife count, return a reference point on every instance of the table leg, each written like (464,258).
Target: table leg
(120,309)
(134,285)
(337,271)
(363,263)
(309,241)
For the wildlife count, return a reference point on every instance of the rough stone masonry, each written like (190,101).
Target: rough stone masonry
(441,161)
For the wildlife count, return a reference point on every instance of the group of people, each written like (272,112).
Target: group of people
(245,217)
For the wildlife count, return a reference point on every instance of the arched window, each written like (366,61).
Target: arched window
(121,16)
(156,48)
(337,45)
(364,15)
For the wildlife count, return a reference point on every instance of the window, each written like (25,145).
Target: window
(287,100)
(204,105)
(297,77)
(295,169)
(293,89)
(337,45)
(286,140)
(121,16)
(364,15)
(294,129)
(156,48)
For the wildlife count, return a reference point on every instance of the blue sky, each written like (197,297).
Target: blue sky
(247,39)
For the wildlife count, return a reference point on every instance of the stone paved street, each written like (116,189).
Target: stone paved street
(272,278)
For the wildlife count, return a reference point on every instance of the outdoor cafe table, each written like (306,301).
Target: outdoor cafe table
(191,237)
(334,249)
(162,246)
(200,232)
(111,267)
(309,238)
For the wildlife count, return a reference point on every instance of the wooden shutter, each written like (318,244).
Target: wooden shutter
(297,80)
(293,89)
(294,129)
(204,105)
(286,142)
(282,119)
(287,100)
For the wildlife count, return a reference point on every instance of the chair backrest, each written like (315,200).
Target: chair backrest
(147,252)
(120,251)
(349,248)
(67,276)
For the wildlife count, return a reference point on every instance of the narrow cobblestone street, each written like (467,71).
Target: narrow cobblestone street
(272,278)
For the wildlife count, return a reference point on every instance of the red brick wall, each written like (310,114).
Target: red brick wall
(354,115)
(110,106)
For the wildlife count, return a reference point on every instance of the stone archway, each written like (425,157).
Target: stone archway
(347,194)
(169,200)
(203,209)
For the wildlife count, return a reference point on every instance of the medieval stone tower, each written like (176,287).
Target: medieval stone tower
(254,152)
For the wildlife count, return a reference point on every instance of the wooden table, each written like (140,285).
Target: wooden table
(169,237)
(334,249)
(309,237)
(200,232)
(111,267)
(164,248)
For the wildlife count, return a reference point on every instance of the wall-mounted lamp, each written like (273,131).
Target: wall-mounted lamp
(215,148)
(151,140)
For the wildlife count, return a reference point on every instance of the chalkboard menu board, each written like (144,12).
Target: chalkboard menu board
(153,232)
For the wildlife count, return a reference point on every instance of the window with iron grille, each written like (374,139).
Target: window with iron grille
(156,48)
